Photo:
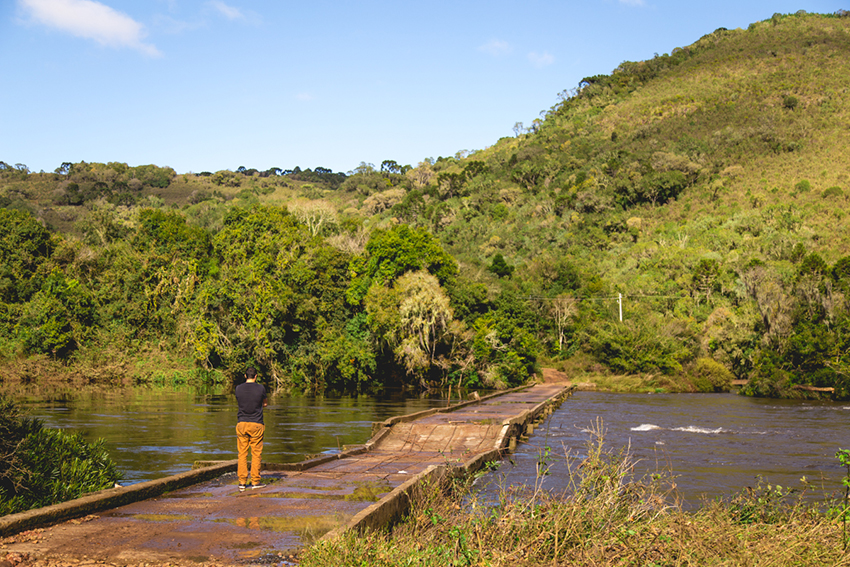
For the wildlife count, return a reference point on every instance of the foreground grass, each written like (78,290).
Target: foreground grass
(608,518)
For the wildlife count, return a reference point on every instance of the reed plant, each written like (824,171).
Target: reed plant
(607,517)
(843,456)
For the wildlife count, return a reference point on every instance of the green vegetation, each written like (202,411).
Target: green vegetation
(843,456)
(41,466)
(606,517)
(701,185)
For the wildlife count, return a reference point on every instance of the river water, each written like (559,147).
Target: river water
(713,444)
(151,433)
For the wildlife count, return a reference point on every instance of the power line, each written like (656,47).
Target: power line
(611,298)
(618,299)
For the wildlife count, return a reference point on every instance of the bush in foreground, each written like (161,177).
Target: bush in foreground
(608,518)
(41,466)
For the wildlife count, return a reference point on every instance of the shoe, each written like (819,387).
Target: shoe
(242,488)
(256,486)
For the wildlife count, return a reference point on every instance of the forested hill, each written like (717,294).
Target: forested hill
(708,186)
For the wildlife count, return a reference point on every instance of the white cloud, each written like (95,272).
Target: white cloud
(304,97)
(541,60)
(633,2)
(496,47)
(228,12)
(90,20)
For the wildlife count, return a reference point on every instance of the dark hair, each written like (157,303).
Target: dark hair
(251,372)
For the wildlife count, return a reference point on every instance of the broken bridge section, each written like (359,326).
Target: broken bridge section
(362,487)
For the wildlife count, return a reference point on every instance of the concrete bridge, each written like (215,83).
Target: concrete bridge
(200,515)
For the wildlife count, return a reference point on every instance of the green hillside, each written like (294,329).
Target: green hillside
(708,186)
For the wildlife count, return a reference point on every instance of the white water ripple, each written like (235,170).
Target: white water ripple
(703,430)
(646,427)
(688,429)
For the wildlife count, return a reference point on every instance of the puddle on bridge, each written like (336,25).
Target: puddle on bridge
(365,491)
(308,528)
(190,495)
(162,517)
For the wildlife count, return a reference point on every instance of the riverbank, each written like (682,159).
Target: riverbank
(607,530)
(153,366)
(103,368)
(607,518)
(158,367)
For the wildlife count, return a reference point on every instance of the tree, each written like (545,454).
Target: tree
(363,168)
(563,309)
(412,317)
(705,279)
(24,246)
(424,314)
(389,166)
(169,234)
(315,214)
(450,183)
(500,267)
(421,175)
(394,252)
(57,318)
(474,168)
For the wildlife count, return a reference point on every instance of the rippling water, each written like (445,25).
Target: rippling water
(714,444)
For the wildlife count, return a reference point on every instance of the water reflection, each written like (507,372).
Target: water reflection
(152,433)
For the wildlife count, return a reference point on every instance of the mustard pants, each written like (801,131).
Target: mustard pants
(249,435)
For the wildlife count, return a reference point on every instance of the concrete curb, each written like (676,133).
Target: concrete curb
(378,426)
(391,507)
(110,498)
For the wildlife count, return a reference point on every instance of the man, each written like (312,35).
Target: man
(251,399)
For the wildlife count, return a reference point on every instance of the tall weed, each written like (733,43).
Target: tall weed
(607,517)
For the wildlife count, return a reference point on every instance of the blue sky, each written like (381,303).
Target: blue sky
(216,84)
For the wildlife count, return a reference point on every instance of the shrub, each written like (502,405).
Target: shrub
(803,186)
(709,375)
(833,192)
(42,466)
(499,212)
(656,188)
(644,346)
(790,102)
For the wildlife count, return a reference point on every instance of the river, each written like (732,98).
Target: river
(152,432)
(713,444)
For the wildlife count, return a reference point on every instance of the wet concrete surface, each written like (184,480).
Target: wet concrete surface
(214,522)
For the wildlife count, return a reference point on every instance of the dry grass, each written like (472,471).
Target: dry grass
(608,518)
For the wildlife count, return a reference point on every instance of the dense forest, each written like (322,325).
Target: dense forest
(704,192)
